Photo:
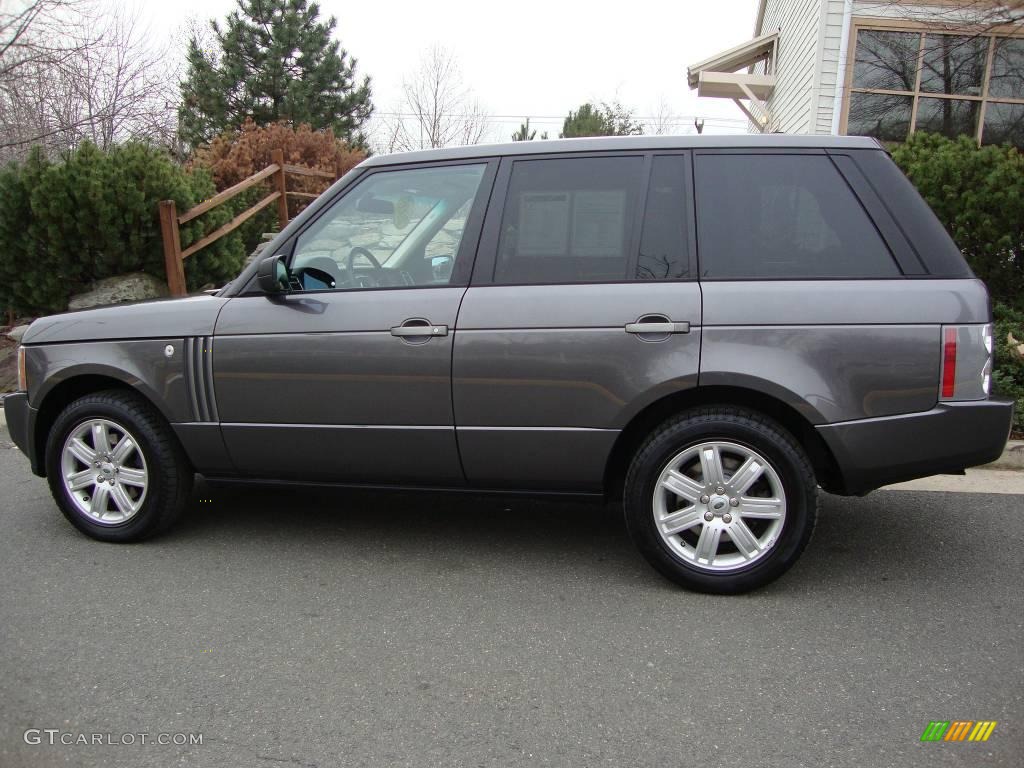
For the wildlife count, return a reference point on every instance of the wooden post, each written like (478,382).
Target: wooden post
(172,248)
(280,185)
(338,171)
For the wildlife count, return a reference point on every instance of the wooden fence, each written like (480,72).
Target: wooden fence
(171,220)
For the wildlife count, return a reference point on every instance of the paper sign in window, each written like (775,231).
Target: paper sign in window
(543,224)
(599,217)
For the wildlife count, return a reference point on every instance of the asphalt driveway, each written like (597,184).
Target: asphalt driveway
(355,628)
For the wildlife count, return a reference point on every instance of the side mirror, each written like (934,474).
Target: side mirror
(272,275)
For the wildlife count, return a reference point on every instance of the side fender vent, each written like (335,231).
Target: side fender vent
(199,378)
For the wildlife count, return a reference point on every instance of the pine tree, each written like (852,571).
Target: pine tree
(606,120)
(524,133)
(276,61)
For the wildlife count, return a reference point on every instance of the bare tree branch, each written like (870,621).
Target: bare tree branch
(98,77)
(438,109)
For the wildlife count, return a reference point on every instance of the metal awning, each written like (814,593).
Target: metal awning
(717,77)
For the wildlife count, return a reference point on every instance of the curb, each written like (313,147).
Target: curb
(1012,458)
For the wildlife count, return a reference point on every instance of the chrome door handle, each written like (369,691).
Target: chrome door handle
(405,331)
(657,327)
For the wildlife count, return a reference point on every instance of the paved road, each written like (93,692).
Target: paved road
(316,629)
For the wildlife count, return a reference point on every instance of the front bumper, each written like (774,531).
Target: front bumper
(21,423)
(947,439)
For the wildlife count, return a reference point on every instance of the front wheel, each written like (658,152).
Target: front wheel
(115,468)
(721,500)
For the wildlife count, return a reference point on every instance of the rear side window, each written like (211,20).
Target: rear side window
(783,217)
(568,220)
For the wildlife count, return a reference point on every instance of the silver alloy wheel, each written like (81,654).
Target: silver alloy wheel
(719,506)
(104,471)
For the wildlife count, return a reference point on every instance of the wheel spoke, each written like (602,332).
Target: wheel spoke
(745,476)
(711,465)
(122,450)
(81,451)
(80,480)
(680,521)
(98,502)
(129,476)
(100,437)
(767,509)
(683,486)
(707,543)
(744,539)
(122,500)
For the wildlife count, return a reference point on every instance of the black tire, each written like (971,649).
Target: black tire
(170,475)
(741,427)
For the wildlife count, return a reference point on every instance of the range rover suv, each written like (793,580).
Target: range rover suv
(708,329)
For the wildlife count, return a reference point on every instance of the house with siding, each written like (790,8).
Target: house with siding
(877,68)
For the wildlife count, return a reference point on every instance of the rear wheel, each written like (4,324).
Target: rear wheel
(115,468)
(721,500)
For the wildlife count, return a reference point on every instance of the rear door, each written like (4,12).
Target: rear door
(583,309)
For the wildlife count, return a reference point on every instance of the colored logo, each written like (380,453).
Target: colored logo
(958,730)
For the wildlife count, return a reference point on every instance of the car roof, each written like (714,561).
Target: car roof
(613,143)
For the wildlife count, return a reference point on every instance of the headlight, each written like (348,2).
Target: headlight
(22,374)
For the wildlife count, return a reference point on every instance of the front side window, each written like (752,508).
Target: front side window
(568,220)
(394,229)
(956,85)
(783,217)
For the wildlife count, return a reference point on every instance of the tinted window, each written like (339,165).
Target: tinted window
(783,216)
(950,117)
(568,220)
(663,251)
(886,60)
(1004,123)
(954,64)
(395,228)
(885,116)
(1007,78)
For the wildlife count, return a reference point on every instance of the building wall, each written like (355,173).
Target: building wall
(831,68)
(798,23)
(812,64)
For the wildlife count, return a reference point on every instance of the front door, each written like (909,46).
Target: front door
(347,377)
(584,309)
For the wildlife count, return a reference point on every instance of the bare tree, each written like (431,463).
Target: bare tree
(31,32)
(663,120)
(438,109)
(96,77)
(33,40)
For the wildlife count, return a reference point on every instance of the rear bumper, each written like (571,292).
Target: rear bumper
(21,423)
(948,438)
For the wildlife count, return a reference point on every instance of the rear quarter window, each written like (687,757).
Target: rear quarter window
(783,217)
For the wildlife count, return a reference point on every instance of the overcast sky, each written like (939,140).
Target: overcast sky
(536,59)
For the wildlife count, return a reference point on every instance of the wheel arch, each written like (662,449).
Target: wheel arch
(826,468)
(67,390)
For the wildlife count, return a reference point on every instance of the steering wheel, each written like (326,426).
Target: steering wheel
(360,251)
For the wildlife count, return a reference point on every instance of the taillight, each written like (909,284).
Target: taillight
(949,363)
(22,373)
(966,372)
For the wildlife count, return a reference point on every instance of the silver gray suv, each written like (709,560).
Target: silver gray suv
(707,328)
